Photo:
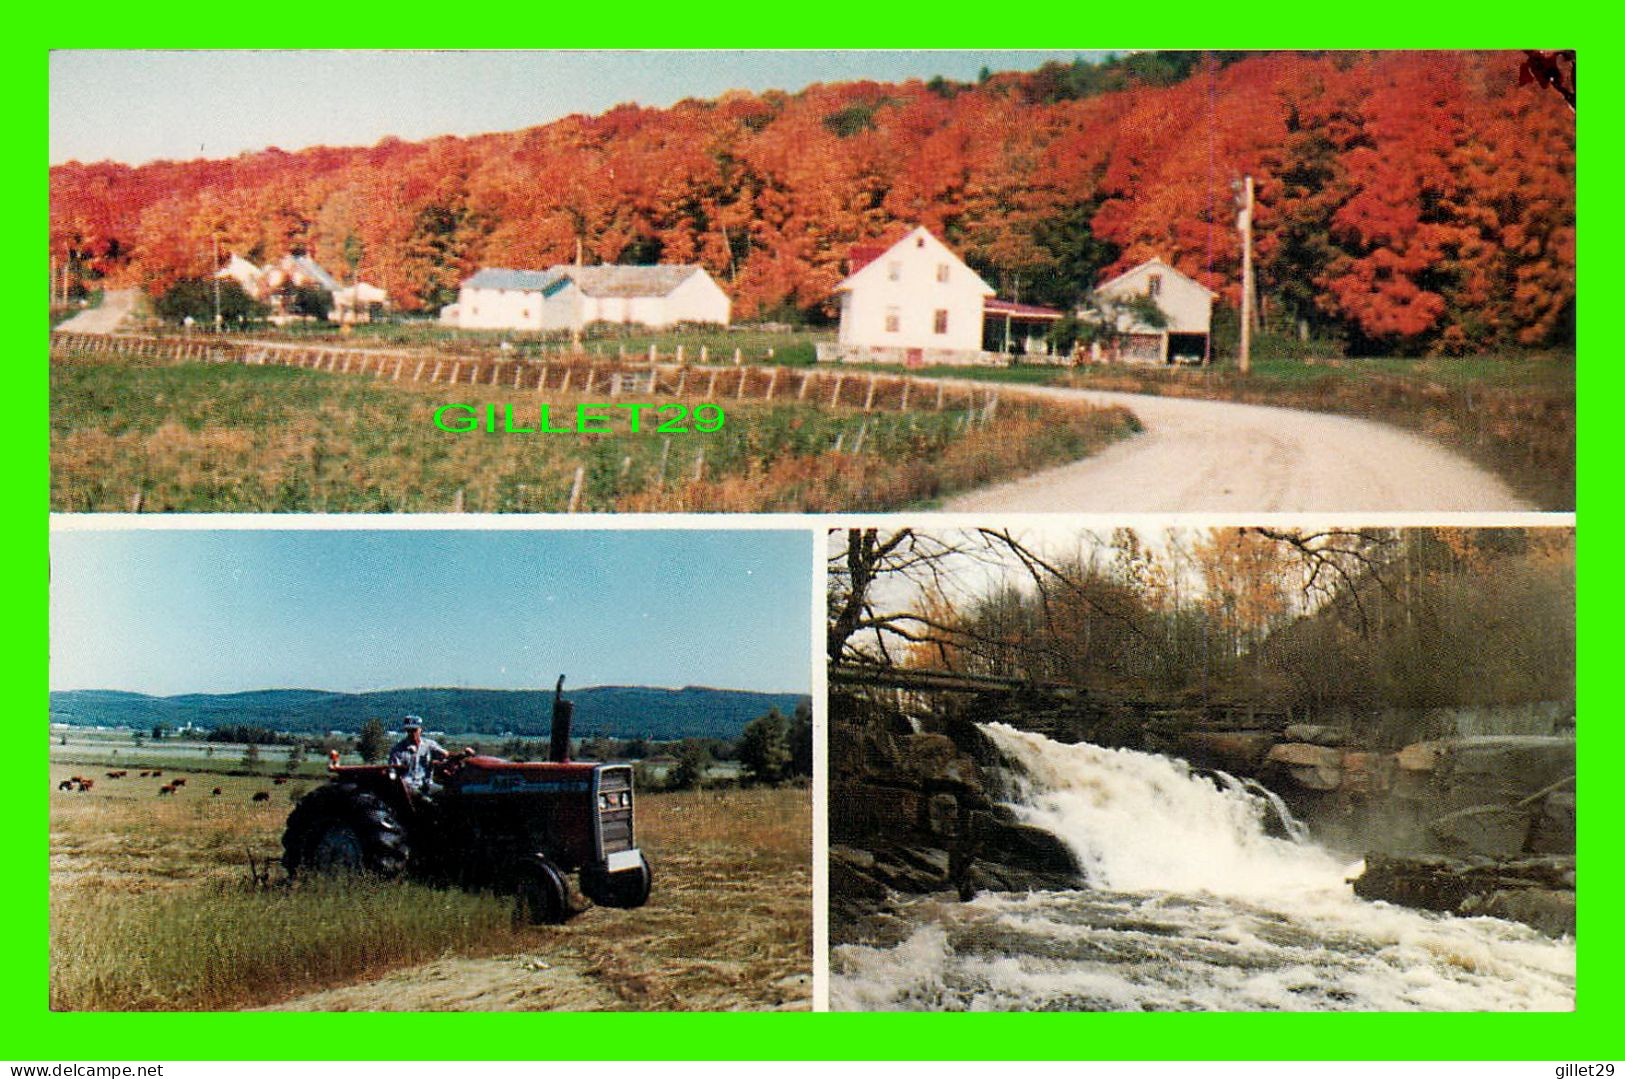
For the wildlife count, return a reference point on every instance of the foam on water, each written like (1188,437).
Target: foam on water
(1193,907)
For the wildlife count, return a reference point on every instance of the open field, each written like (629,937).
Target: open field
(158,436)
(153,908)
(1512,414)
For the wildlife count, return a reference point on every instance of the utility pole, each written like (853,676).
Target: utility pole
(1244,222)
(575,323)
(216,276)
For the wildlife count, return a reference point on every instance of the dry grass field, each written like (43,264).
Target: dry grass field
(140,434)
(153,907)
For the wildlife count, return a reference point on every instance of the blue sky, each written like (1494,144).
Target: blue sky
(177,611)
(138,106)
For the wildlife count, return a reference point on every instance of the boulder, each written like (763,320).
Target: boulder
(942,815)
(1419,756)
(1316,768)
(858,811)
(1317,734)
(1240,752)
(1304,755)
(1496,830)
(1553,831)
(1020,847)
(1549,910)
(1538,891)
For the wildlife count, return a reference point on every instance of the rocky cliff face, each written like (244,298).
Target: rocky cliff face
(910,811)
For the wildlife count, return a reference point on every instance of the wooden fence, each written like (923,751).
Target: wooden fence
(578,373)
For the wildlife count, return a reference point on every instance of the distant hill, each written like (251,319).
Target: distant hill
(616,711)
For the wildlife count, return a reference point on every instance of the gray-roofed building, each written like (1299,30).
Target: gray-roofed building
(570,297)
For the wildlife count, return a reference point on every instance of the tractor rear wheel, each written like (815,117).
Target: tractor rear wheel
(628,888)
(544,897)
(341,828)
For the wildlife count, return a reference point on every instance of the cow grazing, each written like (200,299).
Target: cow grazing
(215,792)
(86,784)
(166,789)
(65,785)
(181,782)
(156,772)
(278,781)
(262,796)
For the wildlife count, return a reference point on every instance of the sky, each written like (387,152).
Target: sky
(138,106)
(182,611)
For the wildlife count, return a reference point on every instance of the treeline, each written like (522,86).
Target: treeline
(1404,200)
(1358,620)
(772,748)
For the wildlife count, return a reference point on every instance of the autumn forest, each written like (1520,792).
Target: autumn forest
(1405,201)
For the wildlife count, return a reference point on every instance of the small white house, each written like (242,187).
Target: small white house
(915,302)
(501,299)
(1188,305)
(570,297)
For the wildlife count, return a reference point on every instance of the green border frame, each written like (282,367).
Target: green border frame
(40,1035)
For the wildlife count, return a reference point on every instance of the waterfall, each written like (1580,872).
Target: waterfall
(1191,906)
(1144,822)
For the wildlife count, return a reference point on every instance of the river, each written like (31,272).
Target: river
(1195,906)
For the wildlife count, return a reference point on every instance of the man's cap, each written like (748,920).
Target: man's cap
(412,721)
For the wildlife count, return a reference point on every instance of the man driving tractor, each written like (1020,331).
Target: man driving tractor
(414,753)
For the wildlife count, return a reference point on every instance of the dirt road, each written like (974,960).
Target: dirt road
(117,305)
(1214,456)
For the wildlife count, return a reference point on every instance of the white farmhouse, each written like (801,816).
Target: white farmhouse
(1187,304)
(915,302)
(570,297)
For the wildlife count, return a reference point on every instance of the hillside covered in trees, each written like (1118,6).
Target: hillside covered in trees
(1404,200)
(620,711)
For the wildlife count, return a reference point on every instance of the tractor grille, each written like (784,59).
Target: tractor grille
(615,807)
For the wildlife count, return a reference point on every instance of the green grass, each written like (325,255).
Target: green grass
(227,438)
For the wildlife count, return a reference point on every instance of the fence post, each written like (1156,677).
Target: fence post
(660,474)
(835,397)
(705,355)
(869,398)
(682,381)
(456,369)
(772,380)
(457,501)
(902,406)
(654,354)
(739,357)
(575,488)
(699,466)
(744,377)
(857,443)
(939,397)
(806,381)
(541,381)
(710,387)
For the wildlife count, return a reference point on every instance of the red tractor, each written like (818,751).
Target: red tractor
(492,823)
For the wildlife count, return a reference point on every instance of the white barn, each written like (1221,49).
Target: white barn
(653,296)
(570,297)
(915,302)
(1187,303)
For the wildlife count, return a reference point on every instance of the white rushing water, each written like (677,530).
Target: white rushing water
(1193,906)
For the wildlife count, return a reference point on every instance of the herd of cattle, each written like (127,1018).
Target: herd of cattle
(85,783)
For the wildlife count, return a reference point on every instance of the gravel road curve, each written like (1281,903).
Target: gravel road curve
(1218,457)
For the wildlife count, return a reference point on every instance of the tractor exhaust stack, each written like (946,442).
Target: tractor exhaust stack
(559,750)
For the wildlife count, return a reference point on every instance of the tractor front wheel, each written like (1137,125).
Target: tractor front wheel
(341,828)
